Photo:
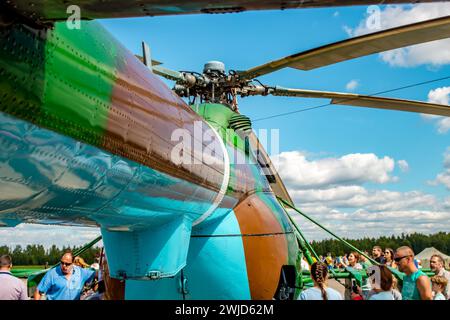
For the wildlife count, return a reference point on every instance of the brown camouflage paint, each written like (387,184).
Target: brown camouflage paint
(265,252)
(142,118)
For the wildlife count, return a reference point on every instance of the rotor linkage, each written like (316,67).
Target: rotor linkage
(214,85)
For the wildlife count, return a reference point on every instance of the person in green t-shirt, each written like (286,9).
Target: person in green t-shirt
(416,284)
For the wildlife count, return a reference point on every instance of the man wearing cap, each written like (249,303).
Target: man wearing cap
(11,288)
(64,282)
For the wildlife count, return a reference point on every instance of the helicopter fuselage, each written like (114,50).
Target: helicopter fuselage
(87,138)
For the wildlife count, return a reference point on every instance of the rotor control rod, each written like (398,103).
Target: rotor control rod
(254,90)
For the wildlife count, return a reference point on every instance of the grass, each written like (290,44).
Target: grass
(28,267)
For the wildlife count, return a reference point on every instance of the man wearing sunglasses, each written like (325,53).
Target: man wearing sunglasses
(64,282)
(416,284)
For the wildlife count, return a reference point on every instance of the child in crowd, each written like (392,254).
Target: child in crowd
(438,286)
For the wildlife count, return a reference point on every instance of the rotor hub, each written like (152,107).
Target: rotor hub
(214,67)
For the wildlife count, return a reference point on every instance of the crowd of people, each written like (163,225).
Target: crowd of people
(359,261)
(74,279)
(380,283)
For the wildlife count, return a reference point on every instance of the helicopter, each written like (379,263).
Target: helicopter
(87,140)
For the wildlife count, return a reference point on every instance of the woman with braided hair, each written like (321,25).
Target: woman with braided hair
(320,291)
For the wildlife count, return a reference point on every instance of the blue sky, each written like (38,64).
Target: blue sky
(340,163)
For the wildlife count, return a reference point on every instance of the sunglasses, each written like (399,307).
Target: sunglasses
(66,263)
(400,258)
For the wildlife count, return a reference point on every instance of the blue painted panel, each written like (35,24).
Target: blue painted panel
(9,223)
(216,267)
(162,249)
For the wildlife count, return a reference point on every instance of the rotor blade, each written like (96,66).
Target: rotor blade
(154,62)
(389,39)
(167,73)
(57,10)
(366,101)
(163,72)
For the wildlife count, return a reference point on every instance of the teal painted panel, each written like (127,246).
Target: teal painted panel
(160,250)
(216,267)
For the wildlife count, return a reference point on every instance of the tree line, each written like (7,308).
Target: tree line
(38,255)
(416,241)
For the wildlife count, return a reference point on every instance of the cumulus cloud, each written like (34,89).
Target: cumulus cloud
(333,191)
(348,31)
(359,197)
(439,96)
(403,165)
(434,53)
(24,234)
(300,172)
(447,158)
(444,177)
(352,85)
(443,125)
(446,203)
